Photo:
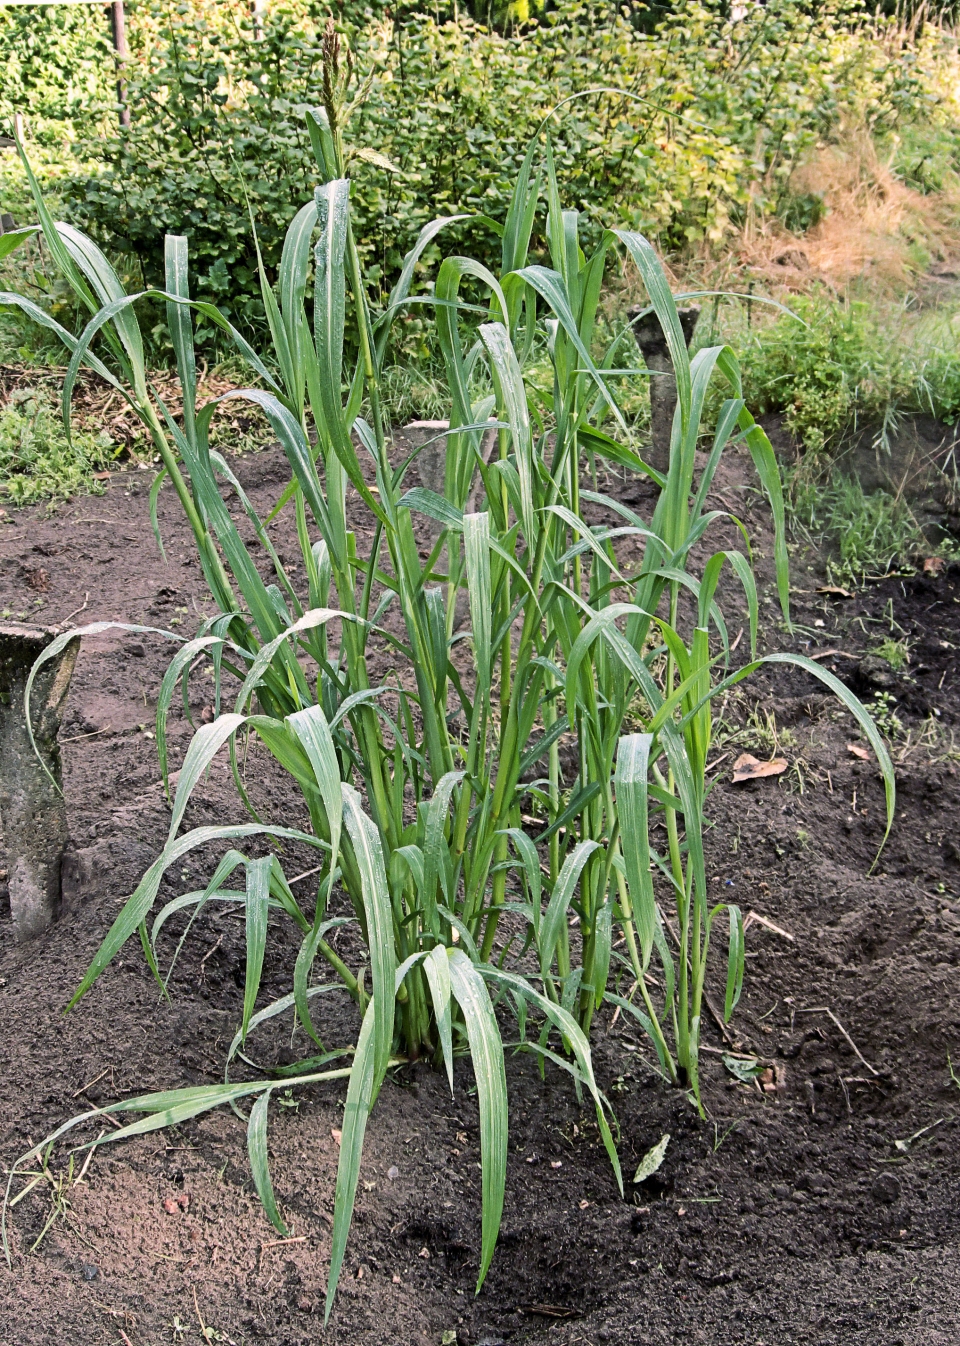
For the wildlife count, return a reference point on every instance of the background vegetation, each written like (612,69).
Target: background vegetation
(725,134)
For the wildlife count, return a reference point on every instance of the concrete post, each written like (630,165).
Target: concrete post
(663,384)
(33,814)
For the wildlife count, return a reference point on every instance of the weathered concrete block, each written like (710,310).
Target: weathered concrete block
(32,810)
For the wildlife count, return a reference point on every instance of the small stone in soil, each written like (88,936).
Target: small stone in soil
(89,1273)
(885,1188)
(393,1172)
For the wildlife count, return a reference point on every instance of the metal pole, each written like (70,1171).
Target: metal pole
(119,26)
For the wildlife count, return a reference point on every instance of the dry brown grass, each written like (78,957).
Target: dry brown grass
(875,230)
(96,406)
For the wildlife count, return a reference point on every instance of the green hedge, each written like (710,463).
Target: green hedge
(712,115)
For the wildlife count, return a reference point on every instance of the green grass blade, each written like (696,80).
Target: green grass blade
(573,1034)
(259,1162)
(661,298)
(486,1051)
(368,852)
(180,324)
(863,718)
(313,731)
(509,381)
(258,895)
(360,1093)
(139,904)
(437,967)
(560,900)
(181,660)
(434,843)
(476,548)
(531,864)
(14,237)
(204,746)
(735,962)
(633,761)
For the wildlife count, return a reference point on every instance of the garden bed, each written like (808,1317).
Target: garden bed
(791,1215)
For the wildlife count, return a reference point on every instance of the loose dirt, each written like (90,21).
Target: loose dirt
(822,1209)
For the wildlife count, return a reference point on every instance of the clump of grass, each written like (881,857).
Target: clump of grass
(419,789)
(895,652)
(37,459)
(828,367)
(867,534)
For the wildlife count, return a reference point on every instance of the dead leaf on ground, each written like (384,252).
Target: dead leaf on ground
(857,750)
(932,565)
(336,1133)
(747,767)
(836,590)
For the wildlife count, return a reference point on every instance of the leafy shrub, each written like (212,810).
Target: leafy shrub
(38,461)
(57,69)
(725,109)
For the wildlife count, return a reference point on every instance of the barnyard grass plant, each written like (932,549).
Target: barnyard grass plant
(420,790)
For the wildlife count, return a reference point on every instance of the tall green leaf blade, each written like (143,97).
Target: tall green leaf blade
(655,280)
(476,548)
(368,853)
(181,329)
(258,897)
(434,843)
(571,1033)
(12,239)
(735,963)
(560,900)
(437,968)
(204,746)
(633,759)
(139,904)
(509,380)
(313,731)
(260,1163)
(486,1052)
(360,1094)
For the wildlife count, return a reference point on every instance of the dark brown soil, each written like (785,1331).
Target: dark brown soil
(822,1212)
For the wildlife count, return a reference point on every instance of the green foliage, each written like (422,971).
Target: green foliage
(868,534)
(825,365)
(925,154)
(56,69)
(420,790)
(726,107)
(38,461)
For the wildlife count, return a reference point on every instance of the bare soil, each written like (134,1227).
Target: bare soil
(825,1210)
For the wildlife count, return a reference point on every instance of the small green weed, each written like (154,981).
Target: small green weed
(884,711)
(37,461)
(895,652)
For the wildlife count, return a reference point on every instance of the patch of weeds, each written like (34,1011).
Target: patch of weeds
(38,462)
(415,392)
(758,732)
(883,708)
(926,154)
(800,211)
(825,367)
(895,652)
(867,534)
